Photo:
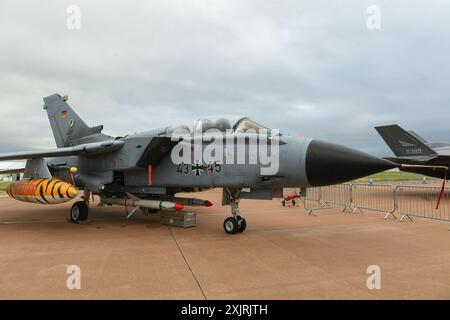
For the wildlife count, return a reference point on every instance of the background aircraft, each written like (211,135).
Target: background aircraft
(428,158)
(137,170)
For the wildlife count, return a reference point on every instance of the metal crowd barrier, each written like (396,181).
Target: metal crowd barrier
(421,202)
(379,197)
(335,196)
(312,202)
(408,201)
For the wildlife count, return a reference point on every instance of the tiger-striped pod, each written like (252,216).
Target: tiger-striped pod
(42,191)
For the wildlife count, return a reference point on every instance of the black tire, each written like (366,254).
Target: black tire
(242,224)
(230,225)
(79,211)
(283,203)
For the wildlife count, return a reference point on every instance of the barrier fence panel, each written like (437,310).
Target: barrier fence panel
(418,201)
(327,197)
(312,200)
(337,196)
(380,197)
(421,201)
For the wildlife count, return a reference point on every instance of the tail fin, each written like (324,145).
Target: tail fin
(68,128)
(403,143)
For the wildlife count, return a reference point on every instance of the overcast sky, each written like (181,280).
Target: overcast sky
(305,67)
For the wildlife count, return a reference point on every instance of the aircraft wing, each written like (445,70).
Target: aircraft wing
(438,160)
(155,151)
(160,146)
(410,160)
(433,166)
(88,149)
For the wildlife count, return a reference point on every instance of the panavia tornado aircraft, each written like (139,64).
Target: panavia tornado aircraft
(147,170)
(415,153)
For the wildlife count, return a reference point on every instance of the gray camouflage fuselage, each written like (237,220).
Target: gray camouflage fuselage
(118,171)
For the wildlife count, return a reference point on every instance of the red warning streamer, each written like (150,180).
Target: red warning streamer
(149,175)
(441,195)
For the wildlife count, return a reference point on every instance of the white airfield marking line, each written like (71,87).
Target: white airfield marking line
(32,222)
(187,262)
(142,218)
(56,221)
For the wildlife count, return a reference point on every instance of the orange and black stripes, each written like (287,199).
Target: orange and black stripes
(43,191)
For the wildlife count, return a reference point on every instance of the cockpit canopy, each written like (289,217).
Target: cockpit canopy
(221,123)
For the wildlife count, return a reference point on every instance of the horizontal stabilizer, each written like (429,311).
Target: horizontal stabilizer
(15,167)
(11,171)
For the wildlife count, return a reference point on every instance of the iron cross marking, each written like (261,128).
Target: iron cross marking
(198,169)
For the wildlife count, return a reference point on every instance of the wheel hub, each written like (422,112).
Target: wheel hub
(229,226)
(75,213)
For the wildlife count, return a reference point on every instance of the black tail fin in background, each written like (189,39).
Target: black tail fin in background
(68,128)
(403,143)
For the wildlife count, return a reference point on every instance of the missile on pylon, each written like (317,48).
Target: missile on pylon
(192,202)
(142,203)
(43,191)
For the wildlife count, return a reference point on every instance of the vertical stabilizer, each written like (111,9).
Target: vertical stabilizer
(403,143)
(68,128)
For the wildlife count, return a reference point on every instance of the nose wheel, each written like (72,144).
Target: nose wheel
(233,225)
(80,210)
(236,223)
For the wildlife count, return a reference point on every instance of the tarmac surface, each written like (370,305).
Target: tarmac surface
(283,254)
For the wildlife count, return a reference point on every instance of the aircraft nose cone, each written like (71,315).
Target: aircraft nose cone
(329,163)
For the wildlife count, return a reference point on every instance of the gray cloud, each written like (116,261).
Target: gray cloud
(306,67)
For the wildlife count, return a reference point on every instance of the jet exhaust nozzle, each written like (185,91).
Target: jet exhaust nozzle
(329,163)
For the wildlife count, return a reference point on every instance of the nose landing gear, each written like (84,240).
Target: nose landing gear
(236,223)
(80,210)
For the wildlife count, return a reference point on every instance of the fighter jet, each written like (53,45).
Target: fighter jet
(147,170)
(415,153)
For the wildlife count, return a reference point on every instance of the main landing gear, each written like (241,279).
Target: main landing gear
(236,223)
(80,210)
